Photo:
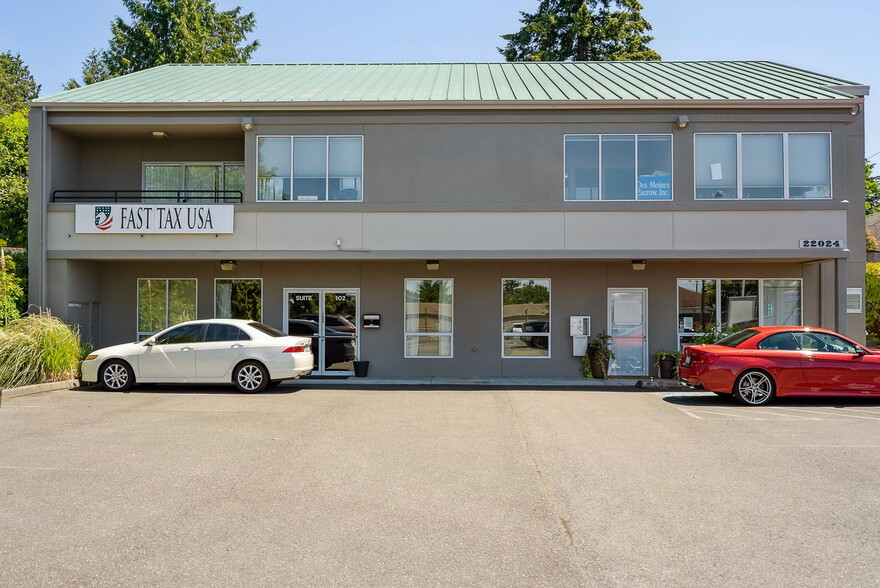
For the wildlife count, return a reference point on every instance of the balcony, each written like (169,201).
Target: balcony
(148,196)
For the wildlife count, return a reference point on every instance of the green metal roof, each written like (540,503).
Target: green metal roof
(445,83)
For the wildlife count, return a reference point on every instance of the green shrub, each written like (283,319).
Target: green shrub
(872,301)
(38,348)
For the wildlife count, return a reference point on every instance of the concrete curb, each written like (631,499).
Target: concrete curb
(39,388)
(658,384)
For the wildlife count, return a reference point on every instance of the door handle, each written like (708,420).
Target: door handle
(237,346)
(186,348)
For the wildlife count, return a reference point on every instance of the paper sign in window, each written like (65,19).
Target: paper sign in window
(716,171)
(627,312)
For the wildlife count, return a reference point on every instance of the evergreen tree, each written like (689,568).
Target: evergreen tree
(17,85)
(579,30)
(170,31)
(872,189)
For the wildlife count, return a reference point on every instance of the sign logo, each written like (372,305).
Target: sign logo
(103,217)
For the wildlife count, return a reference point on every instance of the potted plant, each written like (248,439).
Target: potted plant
(667,362)
(595,362)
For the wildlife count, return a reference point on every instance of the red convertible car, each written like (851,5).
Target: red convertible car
(757,364)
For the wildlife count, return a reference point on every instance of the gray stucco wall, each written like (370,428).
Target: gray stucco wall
(577,288)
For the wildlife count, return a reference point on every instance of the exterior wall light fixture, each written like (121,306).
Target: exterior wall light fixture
(228,265)
(247,123)
(683,121)
(433,265)
(639,264)
(160,135)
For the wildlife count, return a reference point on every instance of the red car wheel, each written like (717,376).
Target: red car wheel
(754,388)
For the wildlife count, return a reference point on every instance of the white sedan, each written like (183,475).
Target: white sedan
(248,354)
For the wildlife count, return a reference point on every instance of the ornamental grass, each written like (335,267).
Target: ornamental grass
(38,348)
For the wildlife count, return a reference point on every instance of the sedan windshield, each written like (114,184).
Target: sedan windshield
(737,338)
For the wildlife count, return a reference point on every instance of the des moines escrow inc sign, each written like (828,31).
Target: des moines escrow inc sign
(154,218)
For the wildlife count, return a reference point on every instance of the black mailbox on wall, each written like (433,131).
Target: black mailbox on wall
(371,321)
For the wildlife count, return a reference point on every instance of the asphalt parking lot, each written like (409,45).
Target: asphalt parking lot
(426,487)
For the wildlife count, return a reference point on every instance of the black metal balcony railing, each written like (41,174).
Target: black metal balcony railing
(149,196)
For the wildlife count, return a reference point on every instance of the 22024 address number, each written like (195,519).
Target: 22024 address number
(821,243)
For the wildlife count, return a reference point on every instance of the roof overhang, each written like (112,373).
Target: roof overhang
(794,104)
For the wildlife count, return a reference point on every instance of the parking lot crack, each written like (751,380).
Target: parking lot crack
(542,480)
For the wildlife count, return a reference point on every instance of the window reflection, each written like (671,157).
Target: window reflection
(526,317)
(428,311)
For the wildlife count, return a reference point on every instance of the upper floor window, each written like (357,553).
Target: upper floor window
(762,165)
(194,182)
(310,168)
(618,167)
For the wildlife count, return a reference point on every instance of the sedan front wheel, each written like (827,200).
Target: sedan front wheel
(754,388)
(116,376)
(250,377)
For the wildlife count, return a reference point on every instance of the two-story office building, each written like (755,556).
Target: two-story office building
(453,219)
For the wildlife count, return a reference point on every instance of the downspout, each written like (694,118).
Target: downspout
(44,214)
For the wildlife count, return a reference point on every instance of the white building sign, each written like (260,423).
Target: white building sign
(154,218)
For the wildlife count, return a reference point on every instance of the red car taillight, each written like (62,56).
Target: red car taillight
(298,349)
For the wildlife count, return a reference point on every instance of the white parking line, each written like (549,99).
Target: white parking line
(877,411)
(690,414)
(38,468)
(837,412)
(727,414)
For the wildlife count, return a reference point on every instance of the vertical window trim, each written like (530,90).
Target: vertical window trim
(785,164)
(451,333)
(635,170)
(138,332)
(326,167)
(505,335)
(262,293)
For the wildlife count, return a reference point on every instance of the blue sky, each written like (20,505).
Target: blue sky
(54,36)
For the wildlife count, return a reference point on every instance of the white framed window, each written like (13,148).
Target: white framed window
(854,300)
(193,181)
(326,168)
(428,317)
(706,304)
(163,302)
(238,298)
(768,166)
(525,317)
(618,167)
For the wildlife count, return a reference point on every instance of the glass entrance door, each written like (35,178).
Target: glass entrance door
(628,327)
(329,317)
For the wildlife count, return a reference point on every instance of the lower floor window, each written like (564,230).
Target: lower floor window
(164,302)
(428,318)
(239,299)
(525,328)
(712,305)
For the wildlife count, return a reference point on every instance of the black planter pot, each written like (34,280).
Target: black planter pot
(599,366)
(361,368)
(667,368)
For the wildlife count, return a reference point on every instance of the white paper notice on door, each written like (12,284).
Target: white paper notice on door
(627,312)
(716,171)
